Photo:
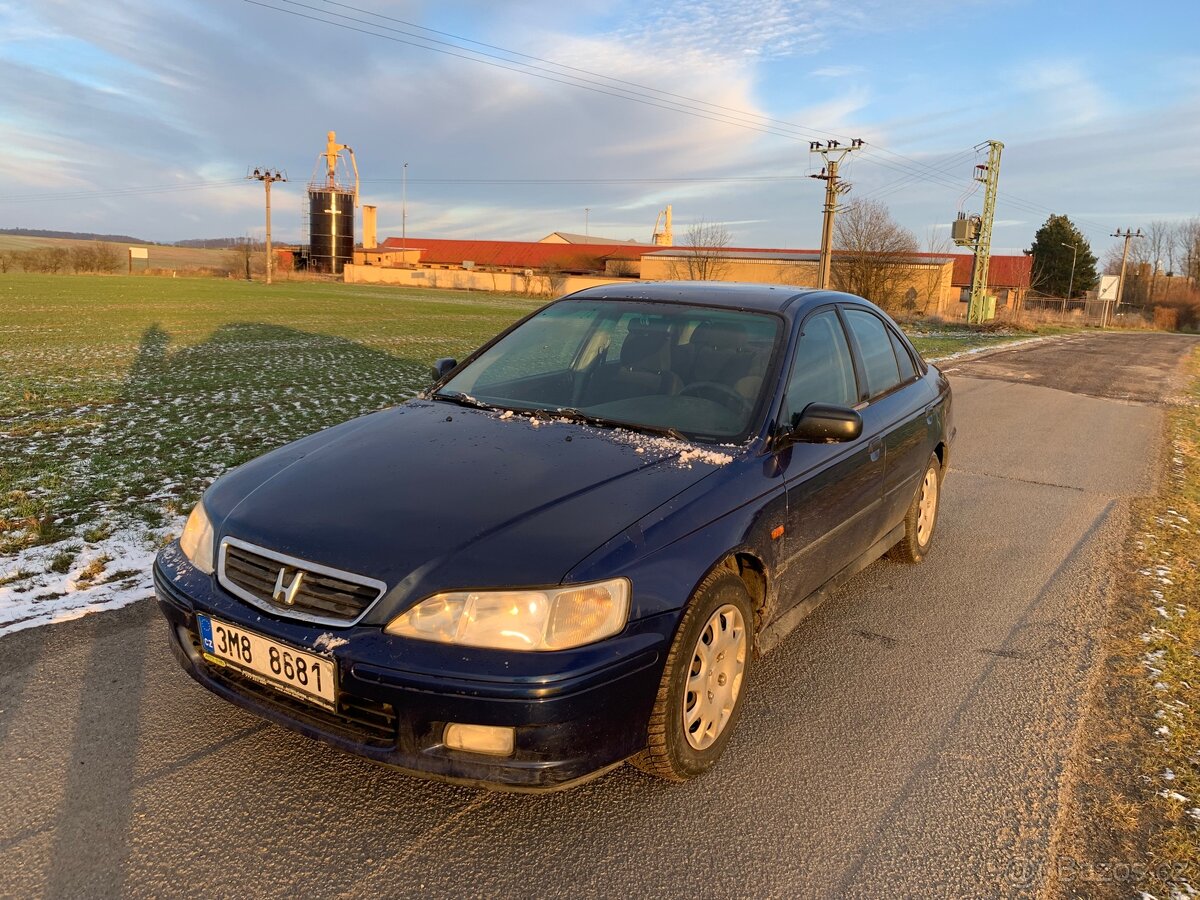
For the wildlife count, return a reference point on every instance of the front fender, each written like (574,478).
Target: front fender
(665,575)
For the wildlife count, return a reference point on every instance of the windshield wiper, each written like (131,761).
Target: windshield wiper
(462,400)
(578,415)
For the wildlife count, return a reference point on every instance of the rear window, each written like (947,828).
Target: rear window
(907,370)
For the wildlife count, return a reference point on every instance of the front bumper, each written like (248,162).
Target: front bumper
(583,712)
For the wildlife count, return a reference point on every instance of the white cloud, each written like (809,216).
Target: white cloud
(837,71)
(1064,90)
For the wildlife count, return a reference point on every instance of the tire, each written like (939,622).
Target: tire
(920,522)
(719,614)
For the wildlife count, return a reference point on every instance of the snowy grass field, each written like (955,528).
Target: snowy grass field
(121,399)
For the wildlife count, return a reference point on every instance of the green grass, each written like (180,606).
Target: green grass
(121,398)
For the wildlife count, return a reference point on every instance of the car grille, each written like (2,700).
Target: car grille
(357,718)
(252,574)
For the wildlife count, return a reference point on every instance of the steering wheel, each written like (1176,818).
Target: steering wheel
(718,393)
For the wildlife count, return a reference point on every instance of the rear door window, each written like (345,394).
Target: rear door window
(875,348)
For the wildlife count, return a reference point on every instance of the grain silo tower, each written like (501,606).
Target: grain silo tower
(331,203)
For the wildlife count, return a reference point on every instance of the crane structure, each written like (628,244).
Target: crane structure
(976,232)
(333,152)
(666,237)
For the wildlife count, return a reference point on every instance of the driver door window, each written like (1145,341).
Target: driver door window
(822,369)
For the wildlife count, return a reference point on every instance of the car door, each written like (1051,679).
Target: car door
(833,490)
(896,409)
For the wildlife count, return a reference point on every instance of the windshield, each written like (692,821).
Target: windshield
(693,370)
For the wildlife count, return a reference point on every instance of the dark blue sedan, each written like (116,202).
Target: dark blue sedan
(568,552)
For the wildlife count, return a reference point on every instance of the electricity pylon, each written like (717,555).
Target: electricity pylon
(976,232)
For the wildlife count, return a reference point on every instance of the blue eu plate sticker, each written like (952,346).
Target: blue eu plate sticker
(206,633)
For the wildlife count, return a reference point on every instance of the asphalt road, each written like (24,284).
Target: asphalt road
(908,739)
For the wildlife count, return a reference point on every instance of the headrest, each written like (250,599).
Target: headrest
(645,348)
(729,336)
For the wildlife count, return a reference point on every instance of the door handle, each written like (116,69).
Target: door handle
(876,449)
(929,413)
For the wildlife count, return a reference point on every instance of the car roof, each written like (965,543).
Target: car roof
(792,302)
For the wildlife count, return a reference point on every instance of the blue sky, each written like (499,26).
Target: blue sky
(141,117)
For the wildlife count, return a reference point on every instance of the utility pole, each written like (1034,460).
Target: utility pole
(1071,284)
(587,213)
(833,153)
(1128,234)
(268,177)
(404,211)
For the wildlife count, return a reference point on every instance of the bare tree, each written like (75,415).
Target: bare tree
(245,257)
(703,259)
(107,258)
(935,274)
(1187,242)
(873,253)
(1158,245)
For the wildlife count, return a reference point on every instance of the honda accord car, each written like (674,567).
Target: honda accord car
(568,552)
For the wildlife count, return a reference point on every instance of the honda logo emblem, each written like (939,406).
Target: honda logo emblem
(286,592)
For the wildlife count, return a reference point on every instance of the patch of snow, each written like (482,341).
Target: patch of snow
(46,597)
(328,642)
(986,347)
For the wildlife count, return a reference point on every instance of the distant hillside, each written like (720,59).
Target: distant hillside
(73,235)
(212,243)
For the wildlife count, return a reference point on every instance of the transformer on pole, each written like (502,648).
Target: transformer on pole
(976,232)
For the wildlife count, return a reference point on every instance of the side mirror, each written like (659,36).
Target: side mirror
(824,422)
(442,367)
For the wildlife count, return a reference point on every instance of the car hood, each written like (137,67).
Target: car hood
(430,496)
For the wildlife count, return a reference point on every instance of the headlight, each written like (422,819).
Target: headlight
(196,542)
(552,619)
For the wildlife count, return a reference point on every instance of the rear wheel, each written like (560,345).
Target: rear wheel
(700,695)
(921,518)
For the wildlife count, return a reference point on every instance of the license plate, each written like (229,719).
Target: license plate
(301,675)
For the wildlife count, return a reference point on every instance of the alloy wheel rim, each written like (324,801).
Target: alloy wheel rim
(714,678)
(927,507)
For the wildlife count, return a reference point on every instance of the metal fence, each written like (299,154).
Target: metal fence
(1075,312)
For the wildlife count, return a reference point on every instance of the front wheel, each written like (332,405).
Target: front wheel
(700,695)
(921,518)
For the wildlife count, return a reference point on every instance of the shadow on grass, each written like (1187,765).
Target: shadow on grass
(184,415)
(188,413)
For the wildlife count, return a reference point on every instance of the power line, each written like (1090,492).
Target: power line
(686,105)
(692,106)
(592,181)
(803,131)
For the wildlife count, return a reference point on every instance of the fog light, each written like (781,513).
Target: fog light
(489,739)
